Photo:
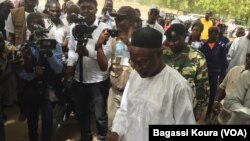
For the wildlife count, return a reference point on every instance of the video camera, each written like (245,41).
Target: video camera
(39,38)
(36,40)
(81,31)
(113,32)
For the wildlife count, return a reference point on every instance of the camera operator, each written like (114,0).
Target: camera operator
(39,71)
(125,19)
(91,85)
(5,73)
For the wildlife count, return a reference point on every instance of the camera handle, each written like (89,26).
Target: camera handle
(79,43)
(41,79)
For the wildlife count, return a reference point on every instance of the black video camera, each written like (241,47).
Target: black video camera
(113,32)
(38,37)
(81,31)
(47,44)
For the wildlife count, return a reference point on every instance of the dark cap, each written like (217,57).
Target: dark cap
(198,24)
(146,37)
(154,7)
(175,30)
(213,29)
(124,11)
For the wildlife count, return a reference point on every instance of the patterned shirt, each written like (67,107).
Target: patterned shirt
(191,63)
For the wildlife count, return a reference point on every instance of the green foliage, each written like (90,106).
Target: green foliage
(239,9)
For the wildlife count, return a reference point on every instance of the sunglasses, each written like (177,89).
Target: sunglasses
(120,18)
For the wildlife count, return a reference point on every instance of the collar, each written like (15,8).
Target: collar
(96,22)
(51,23)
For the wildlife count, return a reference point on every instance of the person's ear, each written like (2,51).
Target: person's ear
(29,27)
(160,51)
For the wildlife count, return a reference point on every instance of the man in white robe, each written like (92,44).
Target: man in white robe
(154,94)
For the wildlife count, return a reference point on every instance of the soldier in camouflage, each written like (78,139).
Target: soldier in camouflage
(189,62)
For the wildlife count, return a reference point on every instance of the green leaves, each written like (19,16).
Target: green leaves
(221,8)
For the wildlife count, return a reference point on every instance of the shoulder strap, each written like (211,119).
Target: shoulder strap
(113,46)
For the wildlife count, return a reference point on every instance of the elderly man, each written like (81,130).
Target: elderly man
(154,94)
(238,51)
(238,99)
(225,89)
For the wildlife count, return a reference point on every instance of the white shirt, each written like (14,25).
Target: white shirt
(91,69)
(239,100)
(239,56)
(155,26)
(163,99)
(233,48)
(9,26)
(59,33)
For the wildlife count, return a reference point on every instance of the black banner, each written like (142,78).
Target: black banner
(214,132)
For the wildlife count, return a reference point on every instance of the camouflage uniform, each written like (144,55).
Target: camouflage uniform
(191,63)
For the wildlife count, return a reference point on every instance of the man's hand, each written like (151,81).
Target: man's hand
(124,38)
(103,38)
(39,70)
(197,115)
(82,51)
(69,72)
(113,136)
(217,106)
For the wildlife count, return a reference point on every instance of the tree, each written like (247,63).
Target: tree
(238,9)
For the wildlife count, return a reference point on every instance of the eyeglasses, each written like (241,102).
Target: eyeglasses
(120,18)
(142,63)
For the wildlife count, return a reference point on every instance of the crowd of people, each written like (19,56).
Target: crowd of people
(128,72)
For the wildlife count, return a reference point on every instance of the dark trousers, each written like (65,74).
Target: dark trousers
(2,131)
(213,82)
(35,104)
(33,108)
(84,96)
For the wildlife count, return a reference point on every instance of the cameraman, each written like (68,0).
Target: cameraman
(5,73)
(93,86)
(125,19)
(39,70)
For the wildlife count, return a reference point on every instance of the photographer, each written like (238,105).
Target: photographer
(39,71)
(5,73)
(125,19)
(91,79)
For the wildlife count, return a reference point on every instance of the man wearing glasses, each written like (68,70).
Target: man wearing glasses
(154,94)
(125,19)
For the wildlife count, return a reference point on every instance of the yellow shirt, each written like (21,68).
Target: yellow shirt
(206,26)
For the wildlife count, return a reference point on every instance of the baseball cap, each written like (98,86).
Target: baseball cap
(123,11)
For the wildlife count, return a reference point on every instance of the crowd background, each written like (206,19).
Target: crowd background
(213,36)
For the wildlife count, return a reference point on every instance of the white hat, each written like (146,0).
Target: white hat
(175,22)
(155,7)
(1,1)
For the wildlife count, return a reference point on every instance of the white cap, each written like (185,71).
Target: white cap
(155,7)
(1,1)
(175,21)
